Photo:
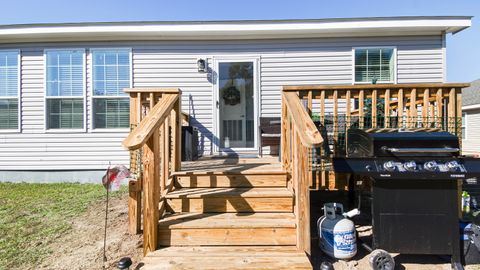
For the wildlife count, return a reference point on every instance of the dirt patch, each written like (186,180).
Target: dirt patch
(82,247)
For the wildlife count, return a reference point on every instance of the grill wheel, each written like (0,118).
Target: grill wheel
(381,260)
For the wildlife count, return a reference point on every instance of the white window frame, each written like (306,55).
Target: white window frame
(18,97)
(395,68)
(90,87)
(464,135)
(83,97)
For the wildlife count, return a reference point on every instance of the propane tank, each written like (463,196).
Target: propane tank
(336,232)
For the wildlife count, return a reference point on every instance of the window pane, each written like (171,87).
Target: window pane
(65,72)
(112,68)
(111,112)
(64,113)
(374,64)
(9,74)
(8,113)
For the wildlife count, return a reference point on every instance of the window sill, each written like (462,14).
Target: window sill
(10,131)
(110,130)
(65,130)
(378,82)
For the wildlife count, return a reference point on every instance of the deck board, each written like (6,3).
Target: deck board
(232,164)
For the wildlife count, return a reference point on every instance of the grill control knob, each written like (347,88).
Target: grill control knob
(389,166)
(452,165)
(431,165)
(410,165)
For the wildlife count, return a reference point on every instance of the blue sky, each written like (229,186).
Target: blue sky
(463,50)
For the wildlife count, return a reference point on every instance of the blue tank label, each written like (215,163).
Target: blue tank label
(345,241)
(328,239)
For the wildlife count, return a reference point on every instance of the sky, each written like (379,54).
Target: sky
(463,50)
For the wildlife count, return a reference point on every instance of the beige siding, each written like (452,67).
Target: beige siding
(471,143)
(173,64)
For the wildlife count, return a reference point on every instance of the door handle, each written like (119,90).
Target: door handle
(218,104)
(242,115)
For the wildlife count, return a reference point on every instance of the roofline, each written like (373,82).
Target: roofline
(242,29)
(108,23)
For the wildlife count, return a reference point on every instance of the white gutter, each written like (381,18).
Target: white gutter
(235,29)
(471,107)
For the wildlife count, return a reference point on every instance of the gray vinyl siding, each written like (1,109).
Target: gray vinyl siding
(173,64)
(471,143)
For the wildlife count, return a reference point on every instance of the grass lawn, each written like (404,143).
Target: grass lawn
(33,215)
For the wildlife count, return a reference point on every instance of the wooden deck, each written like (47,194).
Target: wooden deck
(232,164)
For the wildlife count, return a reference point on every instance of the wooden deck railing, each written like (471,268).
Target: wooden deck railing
(157,118)
(433,106)
(299,134)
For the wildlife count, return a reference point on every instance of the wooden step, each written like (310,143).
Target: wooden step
(223,258)
(221,200)
(274,178)
(191,229)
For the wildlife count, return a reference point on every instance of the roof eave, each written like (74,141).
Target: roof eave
(232,30)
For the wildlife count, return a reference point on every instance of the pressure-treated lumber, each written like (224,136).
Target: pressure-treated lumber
(227,258)
(272,179)
(309,134)
(151,122)
(221,200)
(151,162)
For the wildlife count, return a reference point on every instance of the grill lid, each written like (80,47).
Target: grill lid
(361,143)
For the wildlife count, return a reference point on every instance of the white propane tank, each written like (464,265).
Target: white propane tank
(337,233)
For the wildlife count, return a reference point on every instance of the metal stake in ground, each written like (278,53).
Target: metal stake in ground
(111,181)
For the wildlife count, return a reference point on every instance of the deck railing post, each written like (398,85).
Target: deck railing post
(151,168)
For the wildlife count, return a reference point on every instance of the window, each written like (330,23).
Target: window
(374,64)
(464,126)
(111,74)
(9,90)
(65,89)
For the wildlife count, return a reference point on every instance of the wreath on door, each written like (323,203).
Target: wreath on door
(231,95)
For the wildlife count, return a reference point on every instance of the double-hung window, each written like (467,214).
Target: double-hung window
(374,65)
(9,90)
(111,75)
(65,89)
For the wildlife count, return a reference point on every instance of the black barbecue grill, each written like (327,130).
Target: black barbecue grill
(414,189)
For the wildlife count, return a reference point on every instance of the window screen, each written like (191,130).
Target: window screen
(9,95)
(111,75)
(374,64)
(65,89)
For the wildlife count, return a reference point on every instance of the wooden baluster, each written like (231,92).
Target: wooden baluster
(439,98)
(152,100)
(322,107)
(452,110)
(285,153)
(151,191)
(335,121)
(361,113)
(412,112)
(387,109)
(458,115)
(425,107)
(400,108)
(177,136)
(374,108)
(309,103)
(348,109)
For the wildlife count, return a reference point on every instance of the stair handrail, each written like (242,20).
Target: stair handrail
(156,118)
(299,135)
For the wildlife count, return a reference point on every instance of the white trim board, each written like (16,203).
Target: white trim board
(222,30)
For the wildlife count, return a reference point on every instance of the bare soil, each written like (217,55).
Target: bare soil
(82,247)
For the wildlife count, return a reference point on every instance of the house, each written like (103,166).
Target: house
(64,112)
(470,119)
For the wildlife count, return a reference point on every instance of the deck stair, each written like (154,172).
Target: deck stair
(228,220)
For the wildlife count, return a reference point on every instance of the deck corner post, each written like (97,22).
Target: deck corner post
(151,168)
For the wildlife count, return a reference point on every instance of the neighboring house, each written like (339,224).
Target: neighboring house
(471,119)
(63,112)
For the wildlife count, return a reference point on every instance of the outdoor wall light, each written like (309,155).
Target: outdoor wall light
(202,65)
